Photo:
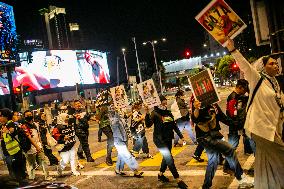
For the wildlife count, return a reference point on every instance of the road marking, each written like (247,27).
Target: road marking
(146,173)
(157,159)
(82,180)
(193,162)
(247,165)
(93,129)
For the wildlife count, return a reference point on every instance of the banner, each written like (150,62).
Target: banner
(204,88)
(219,19)
(148,93)
(119,96)
(103,99)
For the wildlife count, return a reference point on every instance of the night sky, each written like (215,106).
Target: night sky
(109,25)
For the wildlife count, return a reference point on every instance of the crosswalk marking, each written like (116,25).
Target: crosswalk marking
(157,159)
(195,163)
(93,128)
(95,155)
(146,173)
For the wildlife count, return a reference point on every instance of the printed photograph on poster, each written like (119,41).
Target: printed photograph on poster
(103,98)
(204,88)
(219,19)
(119,96)
(148,93)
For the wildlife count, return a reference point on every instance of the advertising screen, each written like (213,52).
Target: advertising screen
(8,36)
(58,68)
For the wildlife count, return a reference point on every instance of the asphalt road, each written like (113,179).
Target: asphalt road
(99,175)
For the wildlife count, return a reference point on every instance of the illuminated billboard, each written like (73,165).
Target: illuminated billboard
(59,68)
(8,36)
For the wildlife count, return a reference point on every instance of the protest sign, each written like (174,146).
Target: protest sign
(204,88)
(148,93)
(119,96)
(219,19)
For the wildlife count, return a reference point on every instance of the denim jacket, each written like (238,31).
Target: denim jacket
(117,126)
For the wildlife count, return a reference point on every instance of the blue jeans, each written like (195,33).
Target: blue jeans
(165,148)
(184,125)
(141,142)
(233,139)
(213,148)
(124,156)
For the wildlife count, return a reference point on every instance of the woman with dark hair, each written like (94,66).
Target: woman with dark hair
(44,129)
(265,117)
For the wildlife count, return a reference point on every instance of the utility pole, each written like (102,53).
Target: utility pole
(117,69)
(140,77)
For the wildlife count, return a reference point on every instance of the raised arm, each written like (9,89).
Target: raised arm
(250,73)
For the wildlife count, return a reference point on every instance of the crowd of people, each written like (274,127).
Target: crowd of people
(254,110)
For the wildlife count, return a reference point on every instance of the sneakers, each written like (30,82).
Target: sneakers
(182,185)
(163,178)
(197,158)
(138,175)
(246,182)
(80,166)
(48,178)
(76,173)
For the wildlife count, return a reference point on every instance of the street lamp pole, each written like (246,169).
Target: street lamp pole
(125,64)
(158,72)
(155,59)
(140,77)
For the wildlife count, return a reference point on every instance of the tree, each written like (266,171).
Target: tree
(223,67)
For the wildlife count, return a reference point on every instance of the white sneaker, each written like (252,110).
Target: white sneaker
(80,166)
(76,173)
(246,181)
(49,178)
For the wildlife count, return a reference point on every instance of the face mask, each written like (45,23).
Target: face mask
(162,107)
(29,118)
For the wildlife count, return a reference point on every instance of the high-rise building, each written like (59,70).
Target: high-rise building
(56,27)
(75,36)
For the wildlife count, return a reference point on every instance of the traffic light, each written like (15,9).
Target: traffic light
(187,53)
(234,67)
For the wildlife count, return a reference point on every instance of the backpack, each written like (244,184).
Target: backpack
(24,141)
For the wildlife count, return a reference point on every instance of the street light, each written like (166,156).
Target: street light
(153,42)
(124,56)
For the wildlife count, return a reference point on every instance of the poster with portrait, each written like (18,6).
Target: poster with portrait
(204,88)
(219,19)
(148,93)
(119,96)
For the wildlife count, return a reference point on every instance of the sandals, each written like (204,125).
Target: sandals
(120,173)
(139,175)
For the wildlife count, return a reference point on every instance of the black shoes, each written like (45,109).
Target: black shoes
(197,158)
(90,159)
(120,173)
(138,175)
(109,162)
(182,185)
(80,156)
(163,178)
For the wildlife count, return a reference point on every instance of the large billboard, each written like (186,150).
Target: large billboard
(8,36)
(58,68)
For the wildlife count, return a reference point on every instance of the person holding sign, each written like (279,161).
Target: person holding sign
(164,127)
(207,132)
(265,117)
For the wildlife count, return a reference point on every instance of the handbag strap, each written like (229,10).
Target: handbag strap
(254,91)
